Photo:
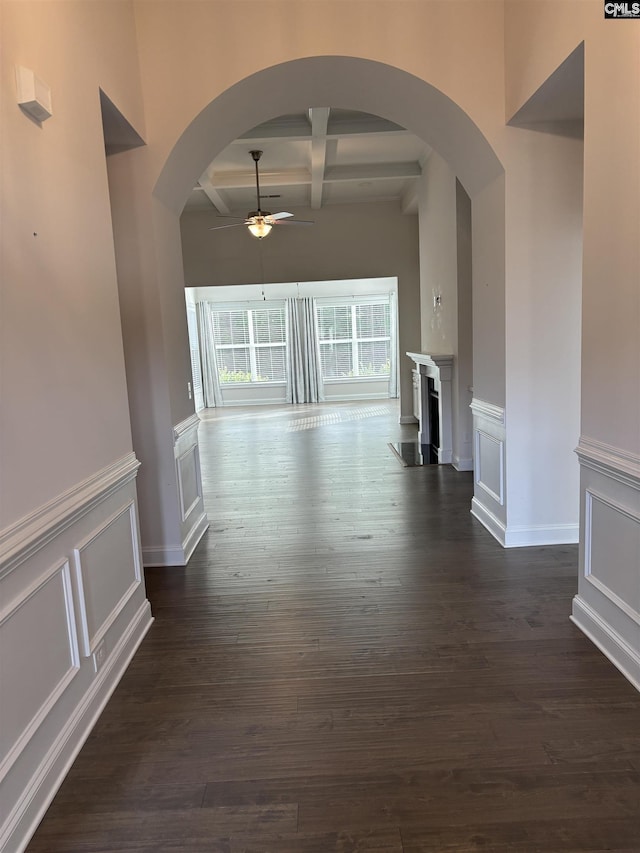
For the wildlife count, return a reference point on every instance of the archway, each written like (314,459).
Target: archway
(347,83)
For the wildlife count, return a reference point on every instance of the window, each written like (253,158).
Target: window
(250,344)
(355,339)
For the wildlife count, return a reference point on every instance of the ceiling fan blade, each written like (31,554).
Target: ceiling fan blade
(281,215)
(294,222)
(230,225)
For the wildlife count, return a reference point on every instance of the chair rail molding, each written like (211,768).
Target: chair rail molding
(32,532)
(621,465)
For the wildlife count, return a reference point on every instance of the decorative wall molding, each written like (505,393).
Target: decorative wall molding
(621,465)
(73,610)
(491,412)
(35,599)
(596,575)
(497,475)
(188,472)
(31,533)
(120,542)
(186,426)
(621,654)
(22,820)
(193,519)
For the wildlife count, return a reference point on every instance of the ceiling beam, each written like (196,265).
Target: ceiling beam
(244,179)
(319,117)
(214,196)
(372,172)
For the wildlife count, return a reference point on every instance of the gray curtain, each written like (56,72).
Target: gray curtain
(210,377)
(304,379)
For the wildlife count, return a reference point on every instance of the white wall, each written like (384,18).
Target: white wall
(365,241)
(72,599)
(445,274)
(607,607)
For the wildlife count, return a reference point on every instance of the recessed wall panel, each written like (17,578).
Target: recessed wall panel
(489,465)
(108,572)
(38,658)
(613,551)
(188,480)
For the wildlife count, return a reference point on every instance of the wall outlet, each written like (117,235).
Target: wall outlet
(99,656)
(189,389)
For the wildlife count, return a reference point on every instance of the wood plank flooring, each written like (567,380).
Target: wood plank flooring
(351,664)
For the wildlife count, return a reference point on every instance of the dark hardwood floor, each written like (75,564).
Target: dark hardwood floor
(351,664)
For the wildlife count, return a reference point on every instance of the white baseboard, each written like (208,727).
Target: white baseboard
(408,419)
(610,643)
(346,398)
(195,535)
(462,464)
(163,555)
(524,537)
(22,822)
(493,524)
(553,534)
(155,556)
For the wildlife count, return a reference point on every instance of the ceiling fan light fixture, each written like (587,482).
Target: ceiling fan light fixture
(260,228)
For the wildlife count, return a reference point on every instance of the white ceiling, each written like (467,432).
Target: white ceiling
(314,159)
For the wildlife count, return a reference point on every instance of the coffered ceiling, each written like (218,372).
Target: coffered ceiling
(315,159)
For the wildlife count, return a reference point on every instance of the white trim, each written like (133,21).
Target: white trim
(535,535)
(90,642)
(497,497)
(24,818)
(487,410)
(185,426)
(489,520)
(620,465)
(344,398)
(523,537)
(184,510)
(462,464)
(408,419)
(194,536)
(63,568)
(590,496)
(163,555)
(32,532)
(246,402)
(609,641)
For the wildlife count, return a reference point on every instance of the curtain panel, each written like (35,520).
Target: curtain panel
(304,381)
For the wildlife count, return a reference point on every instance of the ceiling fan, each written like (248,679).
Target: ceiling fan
(259,222)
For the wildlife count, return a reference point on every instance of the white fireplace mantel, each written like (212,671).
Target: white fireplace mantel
(439,367)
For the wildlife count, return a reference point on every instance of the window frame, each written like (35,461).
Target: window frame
(354,340)
(251,345)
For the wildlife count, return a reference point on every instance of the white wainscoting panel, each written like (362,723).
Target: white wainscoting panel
(187,455)
(489,498)
(70,579)
(39,653)
(108,571)
(607,606)
(490,465)
(188,486)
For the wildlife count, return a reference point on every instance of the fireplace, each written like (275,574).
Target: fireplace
(432,402)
